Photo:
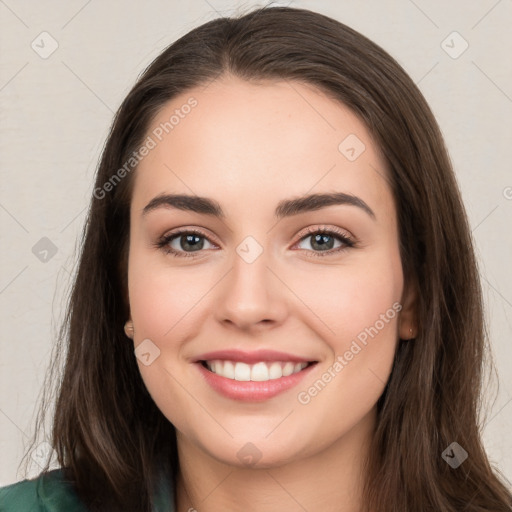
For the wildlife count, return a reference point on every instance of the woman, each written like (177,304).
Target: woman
(277,304)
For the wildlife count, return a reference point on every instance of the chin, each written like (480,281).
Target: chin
(255,454)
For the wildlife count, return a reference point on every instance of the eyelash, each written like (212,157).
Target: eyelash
(163,242)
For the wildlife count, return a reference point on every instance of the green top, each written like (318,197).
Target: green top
(51,493)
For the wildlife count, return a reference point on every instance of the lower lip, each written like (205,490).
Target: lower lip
(252,391)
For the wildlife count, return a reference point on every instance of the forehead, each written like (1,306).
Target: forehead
(254,143)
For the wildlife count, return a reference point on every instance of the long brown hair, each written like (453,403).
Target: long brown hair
(108,433)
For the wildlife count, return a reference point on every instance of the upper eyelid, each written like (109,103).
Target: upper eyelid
(323,228)
(190,231)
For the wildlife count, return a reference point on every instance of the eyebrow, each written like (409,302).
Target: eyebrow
(285,208)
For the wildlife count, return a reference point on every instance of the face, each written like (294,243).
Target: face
(295,304)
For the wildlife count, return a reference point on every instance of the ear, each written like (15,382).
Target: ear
(408,324)
(128,328)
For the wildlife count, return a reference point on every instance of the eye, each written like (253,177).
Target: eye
(322,241)
(184,243)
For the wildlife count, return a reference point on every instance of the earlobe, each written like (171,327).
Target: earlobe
(128,329)
(408,328)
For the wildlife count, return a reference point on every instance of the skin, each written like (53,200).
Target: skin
(249,146)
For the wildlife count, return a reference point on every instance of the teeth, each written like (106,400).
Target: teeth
(242,371)
(288,369)
(259,372)
(228,369)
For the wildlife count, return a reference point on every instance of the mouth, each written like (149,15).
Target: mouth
(253,382)
(261,371)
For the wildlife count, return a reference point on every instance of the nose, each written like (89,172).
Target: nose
(251,296)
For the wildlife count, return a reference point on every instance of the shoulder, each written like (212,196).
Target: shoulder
(49,492)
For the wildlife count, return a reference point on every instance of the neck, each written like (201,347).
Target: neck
(330,480)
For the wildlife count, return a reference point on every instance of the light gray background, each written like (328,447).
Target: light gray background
(55,114)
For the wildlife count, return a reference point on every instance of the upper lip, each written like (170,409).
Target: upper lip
(253,357)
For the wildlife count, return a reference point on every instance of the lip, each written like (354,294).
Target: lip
(252,391)
(251,357)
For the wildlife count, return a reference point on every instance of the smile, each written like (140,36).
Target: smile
(259,372)
(254,382)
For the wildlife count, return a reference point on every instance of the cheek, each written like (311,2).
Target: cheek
(361,308)
(357,308)
(163,302)
(345,300)
(163,298)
